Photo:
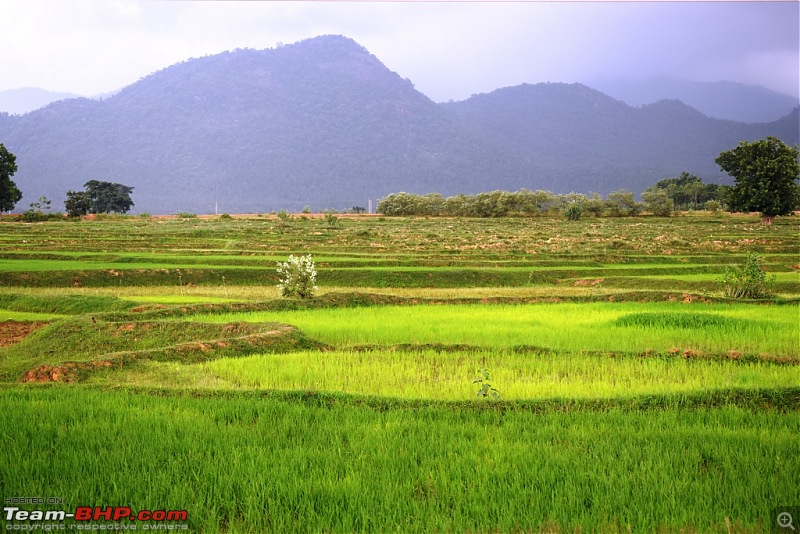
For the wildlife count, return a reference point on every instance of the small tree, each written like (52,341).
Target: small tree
(39,210)
(620,203)
(9,194)
(765,174)
(658,203)
(297,277)
(78,203)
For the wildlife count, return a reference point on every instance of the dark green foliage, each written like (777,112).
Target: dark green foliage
(108,197)
(78,203)
(573,212)
(9,193)
(689,192)
(748,281)
(766,174)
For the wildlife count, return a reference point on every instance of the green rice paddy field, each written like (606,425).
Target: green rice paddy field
(152,364)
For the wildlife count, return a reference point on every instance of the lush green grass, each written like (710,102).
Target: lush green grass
(451,375)
(11,315)
(569,327)
(245,464)
(191,392)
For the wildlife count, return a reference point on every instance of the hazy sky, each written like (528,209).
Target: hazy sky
(450,50)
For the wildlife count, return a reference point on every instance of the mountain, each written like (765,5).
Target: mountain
(587,141)
(324,123)
(19,101)
(721,100)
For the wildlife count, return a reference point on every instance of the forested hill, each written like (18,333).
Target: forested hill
(324,123)
(587,141)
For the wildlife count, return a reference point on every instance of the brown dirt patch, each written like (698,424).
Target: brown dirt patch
(15,331)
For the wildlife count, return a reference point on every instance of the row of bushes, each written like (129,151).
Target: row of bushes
(620,203)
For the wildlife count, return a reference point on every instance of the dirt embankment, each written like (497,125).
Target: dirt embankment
(15,331)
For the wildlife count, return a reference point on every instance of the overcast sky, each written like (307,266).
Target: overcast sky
(450,50)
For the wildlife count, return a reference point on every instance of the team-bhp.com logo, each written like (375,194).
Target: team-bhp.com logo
(88,518)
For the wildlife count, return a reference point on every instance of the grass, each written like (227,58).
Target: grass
(633,397)
(248,463)
(569,327)
(11,315)
(427,374)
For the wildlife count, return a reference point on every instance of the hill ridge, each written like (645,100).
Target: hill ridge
(324,123)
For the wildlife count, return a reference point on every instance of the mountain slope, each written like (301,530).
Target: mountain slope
(721,100)
(321,122)
(324,123)
(586,140)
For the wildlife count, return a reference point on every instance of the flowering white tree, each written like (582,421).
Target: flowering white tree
(297,277)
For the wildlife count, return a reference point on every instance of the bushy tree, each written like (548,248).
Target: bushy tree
(108,197)
(765,174)
(9,193)
(658,203)
(297,277)
(78,203)
(620,203)
(688,191)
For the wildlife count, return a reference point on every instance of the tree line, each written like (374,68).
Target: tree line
(765,174)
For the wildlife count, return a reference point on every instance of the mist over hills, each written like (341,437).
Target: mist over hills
(720,100)
(324,123)
(26,99)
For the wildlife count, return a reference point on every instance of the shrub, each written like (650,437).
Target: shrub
(748,281)
(331,219)
(713,206)
(186,215)
(573,212)
(658,203)
(297,277)
(620,203)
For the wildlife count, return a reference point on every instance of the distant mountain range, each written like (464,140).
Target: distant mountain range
(26,99)
(720,100)
(324,123)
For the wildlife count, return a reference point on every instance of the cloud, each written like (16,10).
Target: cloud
(449,50)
